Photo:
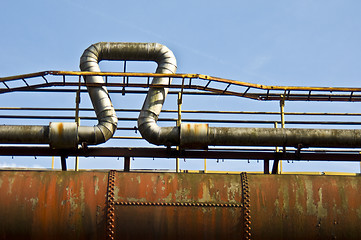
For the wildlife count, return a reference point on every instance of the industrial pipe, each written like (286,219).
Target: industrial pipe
(65,135)
(68,135)
(294,137)
(202,136)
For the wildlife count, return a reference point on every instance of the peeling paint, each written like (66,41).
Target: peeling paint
(11,182)
(96,185)
(71,198)
(321,211)
(358,211)
(82,197)
(34,203)
(182,194)
(206,197)
(71,205)
(116,193)
(233,189)
(168,198)
(138,179)
(311,207)
(130,199)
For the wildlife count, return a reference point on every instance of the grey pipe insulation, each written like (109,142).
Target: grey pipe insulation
(69,135)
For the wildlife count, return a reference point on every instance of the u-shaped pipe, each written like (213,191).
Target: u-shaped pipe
(68,135)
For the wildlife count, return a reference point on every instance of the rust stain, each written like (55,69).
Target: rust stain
(60,128)
(47,205)
(96,185)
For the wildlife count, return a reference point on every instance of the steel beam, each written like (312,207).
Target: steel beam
(173,153)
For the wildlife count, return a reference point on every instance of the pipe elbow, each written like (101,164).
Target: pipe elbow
(103,107)
(149,129)
(147,125)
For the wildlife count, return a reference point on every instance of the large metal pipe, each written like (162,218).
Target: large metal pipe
(73,205)
(147,121)
(68,135)
(294,137)
(201,136)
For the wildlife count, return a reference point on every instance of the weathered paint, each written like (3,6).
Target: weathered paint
(193,135)
(63,135)
(305,207)
(52,205)
(73,205)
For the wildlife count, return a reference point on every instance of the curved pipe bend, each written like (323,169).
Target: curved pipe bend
(195,135)
(155,98)
(69,135)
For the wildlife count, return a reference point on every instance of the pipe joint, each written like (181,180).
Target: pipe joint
(194,135)
(63,135)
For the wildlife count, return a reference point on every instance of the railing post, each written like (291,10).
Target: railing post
(179,121)
(282,108)
(77,119)
(63,162)
(126,164)
(266,166)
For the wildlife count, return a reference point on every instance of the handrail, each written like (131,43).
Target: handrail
(290,93)
(181,75)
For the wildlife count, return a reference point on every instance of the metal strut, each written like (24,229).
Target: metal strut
(246,212)
(110,210)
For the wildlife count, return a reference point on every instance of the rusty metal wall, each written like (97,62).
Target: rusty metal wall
(74,205)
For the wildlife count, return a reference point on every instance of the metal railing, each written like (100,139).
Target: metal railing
(183,84)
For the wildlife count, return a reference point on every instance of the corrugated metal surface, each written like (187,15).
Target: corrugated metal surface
(73,205)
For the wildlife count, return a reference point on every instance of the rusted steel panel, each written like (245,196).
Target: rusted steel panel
(73,205)
(305,207)
(178,222)
(52,205)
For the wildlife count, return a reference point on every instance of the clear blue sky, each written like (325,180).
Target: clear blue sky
(305,43)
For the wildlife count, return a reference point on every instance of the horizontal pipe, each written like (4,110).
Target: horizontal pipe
(69,135)
(284,137)
(188,135)
(24,134)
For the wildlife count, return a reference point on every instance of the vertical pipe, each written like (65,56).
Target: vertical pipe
(63,163)
(266,166)
(275,166)
(52,162)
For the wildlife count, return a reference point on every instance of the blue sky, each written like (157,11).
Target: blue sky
(304,43)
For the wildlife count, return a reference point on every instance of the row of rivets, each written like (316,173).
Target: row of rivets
(246,210)
(179,204)
(110,210)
